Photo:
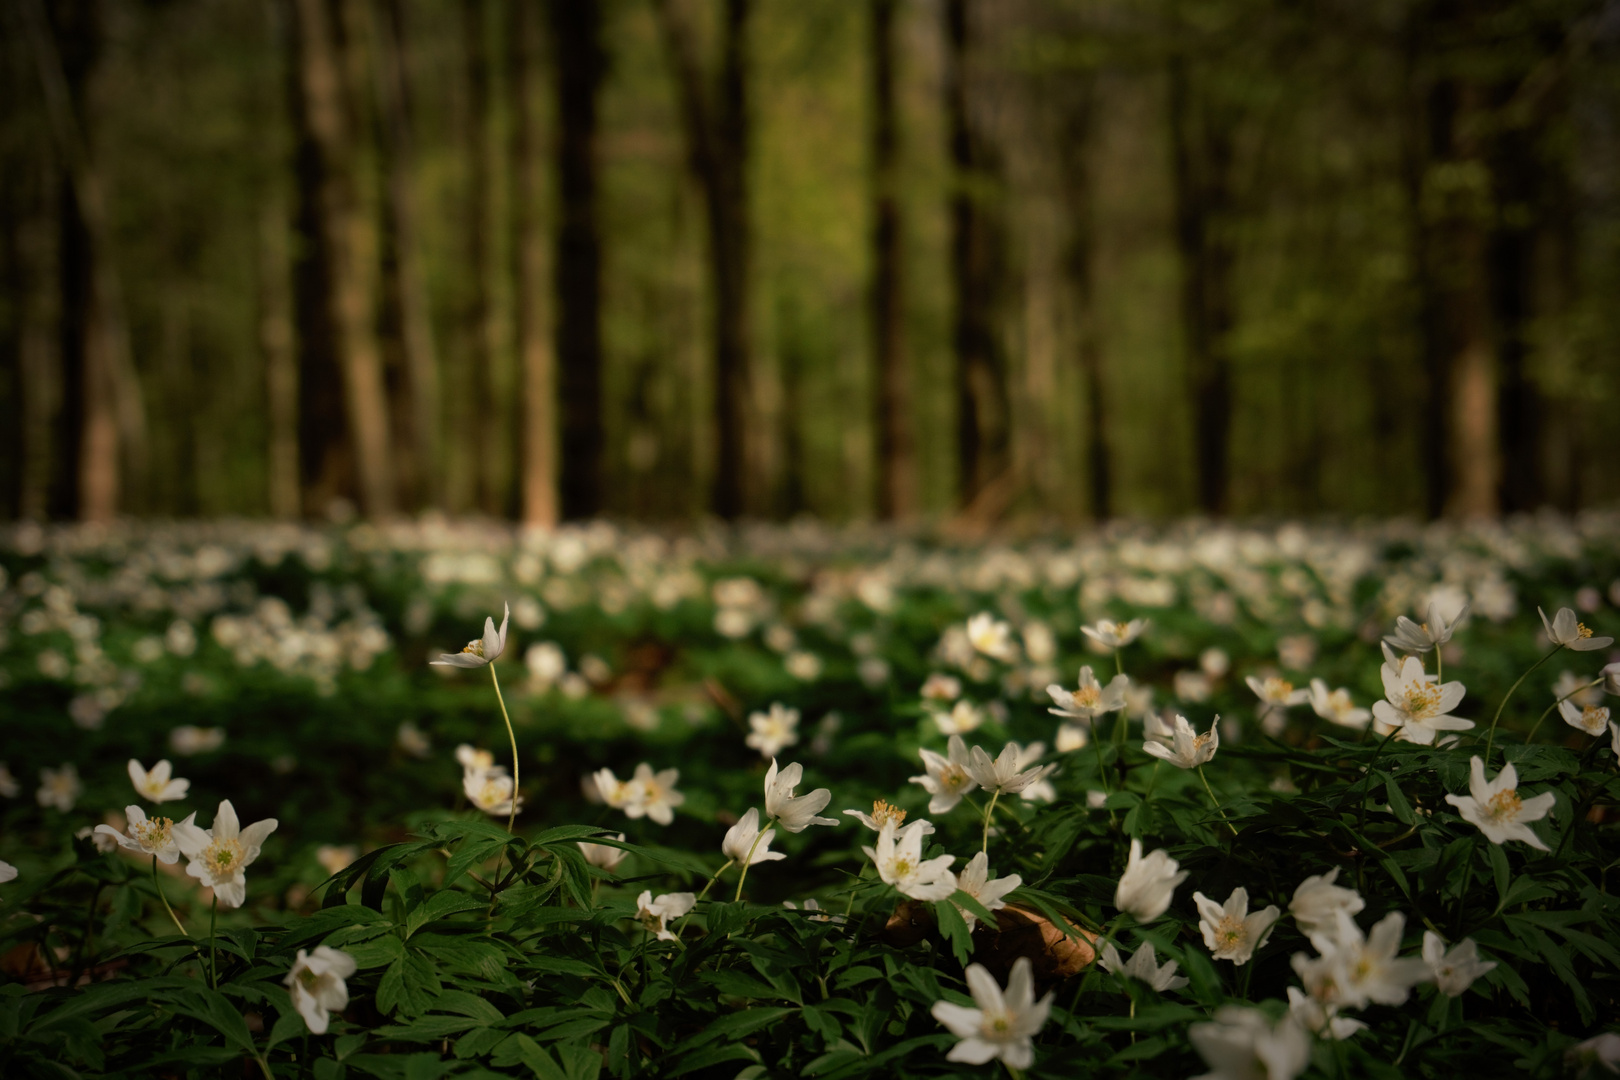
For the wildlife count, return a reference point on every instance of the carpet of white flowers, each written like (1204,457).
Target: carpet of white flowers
(450,799)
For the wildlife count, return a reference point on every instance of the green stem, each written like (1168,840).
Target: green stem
(511,817)
(1361,813)
(681,928)
(994,795)
(1491,738)
(746,861)
(159,889)
(1096,744)
(1462,892)
(1537,726)
(1216,802)
(1439,666)
(213,959)
(1153,780)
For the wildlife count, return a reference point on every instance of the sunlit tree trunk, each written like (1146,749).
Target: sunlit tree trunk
(896,438)
(538,448)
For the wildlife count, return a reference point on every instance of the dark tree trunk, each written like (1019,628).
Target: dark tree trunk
(896,440)
(478,421)
(537,449)
(977,268)
(580,69)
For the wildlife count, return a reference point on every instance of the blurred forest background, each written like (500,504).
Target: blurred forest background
(1040,260)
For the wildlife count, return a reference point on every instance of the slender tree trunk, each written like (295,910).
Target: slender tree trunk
(539,502)
(39,345)
(479,331)
(977,270)
(896,439)
(580,69)
(278,348)
(1201,150)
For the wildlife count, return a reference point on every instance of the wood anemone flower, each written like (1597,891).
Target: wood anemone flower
(480,651)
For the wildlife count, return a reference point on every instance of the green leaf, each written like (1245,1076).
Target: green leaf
(441,904)
(954,928)
(1397,802)
(1499,869)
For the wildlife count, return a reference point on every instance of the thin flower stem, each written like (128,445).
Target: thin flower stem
(747,861)
(165,899)
(1439,666)
(685,918)
(1217,803)
(213,958)
(1537,726)
(1491,739)
(1361,815)
(994,795)
(1153,780)
(511,816)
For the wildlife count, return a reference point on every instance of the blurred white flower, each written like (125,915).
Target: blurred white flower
(149,836)
(1366,969)
(1318,901)
(1454,971)
(219,855)
(546,664)
(316,985)
(812,909)
(1567,631)
(1214,662)
(803,665)
(963,718)
(59,787)
(794,813)
(992,637)
(490,790)
(1275,693)
(1297,652)
(1600,1050)
(1591,719)
(1071,737)
(157,786)
(1611,679)
(603,856)
(1188,750)
(1336,707)
(1420,638)
(773,730)
(187,739)
(1004,1025)
(941,688)
(412,740)
(899,862)
(975,880)
(744,839)
(655,914)
(1147,885)
(474,759)
(1320,1018)
(9,788)
(1243,1044)
(1230,932)
(1192,686)
(1143,966)
(1496,807)
(1115,635)
(947,778)
(334,857)
(480,651)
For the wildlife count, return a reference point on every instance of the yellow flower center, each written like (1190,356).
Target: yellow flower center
(1230,930)
(997,1025)
(1422,698)
(1277,689)
(904,868)
(152,834)
(1582,630)
(1594,716)
(954,778)
(1088,697)
(884,812)
(649,921)
(1200,741)
(476,647)
(223,858)
(1505,804)
(308,978)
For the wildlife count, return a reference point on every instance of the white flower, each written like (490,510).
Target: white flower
(490,790)
(1004,1025)
(1188,750)
(1276,693)
(59,787)
(899,862)
(480,651)
(1592,719)
(1142,966)
(317,987)
(187,739)
(1042,789)
(334,857)
(1567,631)
(991,636)
(603,856)
(472,758)
(1002,775)
(740,841)
(156,786)
(1496,807)
(655,914)
(884,812)
(948,778)
(1420,638)
(1418,707)
(7,872)
(9,788)
(1070,737)
(794,813)
(963,718)
(1090,699)
(975,880)
(412,740)
(812,910)
(1317,902)
(941,688)
(150,836)
(1611,678)
(1230,932)
(1148,883)
(1320,1018)
(1601,1050)
(220,854)
(646,794)
(773,730)
(1243,1044)
(1336,707)
(1365,969)
(1456,970)
(1614,739)
(1115,635)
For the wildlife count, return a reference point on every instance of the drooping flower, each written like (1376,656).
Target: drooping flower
(991,636)
(1335,706)
(794,813)
(480,651)
(745,845)
(1230,932)
(1002,775)
(1421,637)
(1566,630)
(490,790)
(1090,699)
(1318,901)
(1455,970)
(156,786)
(884,812)
(149,836)
(1004,1025)
(962,718)
(1143,966)
(1421,709)
(59,787)
(1592,719)
(899,862)
(1188,750)
(773,730)
(316,985)
(1366,968)
(603,856)
(1496,807)
(653,915)
(220,855)
(948,778)
(1145,888)
(1243,1044)
(975,880)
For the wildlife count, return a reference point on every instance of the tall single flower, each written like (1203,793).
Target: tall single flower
(603,856)
(490,790)
(745,845)
(947,778)
(1592,719)
(480,651)
(1230,932)
(1496,807)
(1001,775)
(794,813)
(1090,699)
(149,836)
(1419,708)
(773,730)
(1318,901)
(156,786)
(1566,630)
(1004,1025)
(975,880)
(653,915)
(899,862)
(1335,706)
(1455,970)
(220,854)
(1148,883)
(1143,966)
(1115,635)
(1187,750)
(316,985)
(1421,637)
(991,636)
(1243,1044)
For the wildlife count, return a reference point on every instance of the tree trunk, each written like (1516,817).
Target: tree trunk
(278,348)
(538,449)
(896,438)
(479,423)
(977,268)
(580,69)
(39,345)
